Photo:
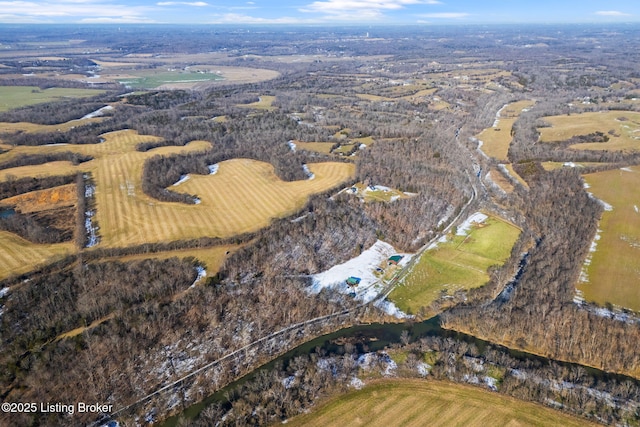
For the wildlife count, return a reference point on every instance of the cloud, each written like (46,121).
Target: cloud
(358,7)
(445,15)
(611,13)
(117,20)
(234,18)
(182,3)
(72,8)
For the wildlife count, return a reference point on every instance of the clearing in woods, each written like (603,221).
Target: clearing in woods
(612,274)
(414,402)
(244,195)
(461,262)
(212,257)
(20,96)
(497,139)
(622,128)
(18,255)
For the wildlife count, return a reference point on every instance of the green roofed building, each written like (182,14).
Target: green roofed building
(353,281)
(395,259)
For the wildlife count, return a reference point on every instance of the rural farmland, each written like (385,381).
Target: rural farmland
(614,130)
(612,275)
(458,263)
(434,403)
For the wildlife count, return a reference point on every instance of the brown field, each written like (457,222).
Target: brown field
(497,139)
(318,147)
(265,103)
(500,180)
(515,175)
(212,257)
(622,127)
(48,169)
(41,200)
(243,196)
(614,271)
(396,93)
(36,128)
(19,256)
(413,402)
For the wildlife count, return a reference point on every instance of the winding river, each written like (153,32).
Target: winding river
(367,338)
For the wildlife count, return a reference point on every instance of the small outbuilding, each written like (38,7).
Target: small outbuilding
(353,281)
(395,259)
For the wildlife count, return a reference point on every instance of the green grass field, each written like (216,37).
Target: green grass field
(21,96)
(614,272)
(622,128)
(156,78)
(460,263)
(412,402)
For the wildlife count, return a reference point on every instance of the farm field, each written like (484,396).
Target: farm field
(621,127)
(20,256)
(265,103)
(549,166)
(318,147)
(413,402)
(158,78)
(509,168)
(21,96)
(244,195)
(459,263)
(613,273)
(35,127)
(212,257)
(497,139)
(499,179)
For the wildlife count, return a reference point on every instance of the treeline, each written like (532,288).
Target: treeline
(540,315)
(88,133)
(158,320)
(298,386)
(13,187)
(52,113)
(39,159)
(50,226)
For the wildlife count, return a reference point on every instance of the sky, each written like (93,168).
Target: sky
(324,12)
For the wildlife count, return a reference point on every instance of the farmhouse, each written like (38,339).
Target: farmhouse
(353,281)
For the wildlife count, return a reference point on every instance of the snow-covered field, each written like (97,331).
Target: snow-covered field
(465,227)
(363,266)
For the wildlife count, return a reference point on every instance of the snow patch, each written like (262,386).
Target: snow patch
(423,369)
(310,175)
(356,383)
(491,382)
(213,169)
(4,292)
(292,145)
(197,201)
(99,112)
(362,266)
(202,273)
(635,207)
(626,169)
(465,227)
(390,308)
(183,178)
